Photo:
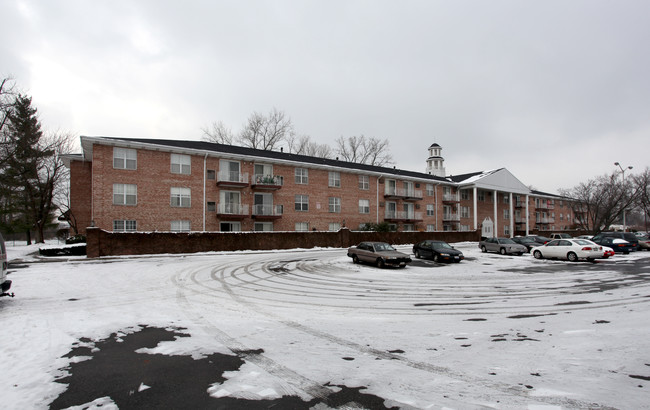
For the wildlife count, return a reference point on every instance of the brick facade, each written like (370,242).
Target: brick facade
(218,202)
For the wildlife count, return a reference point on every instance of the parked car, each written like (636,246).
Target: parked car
(588,237)
(439,251)
(527,241)
(628,236)
(561,236)
(571,249)
(540,239)
(607,252)
(379,253)
(617,244)
(502,245)
(644,242)
(5,284)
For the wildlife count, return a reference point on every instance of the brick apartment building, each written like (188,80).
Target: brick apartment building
(126,184)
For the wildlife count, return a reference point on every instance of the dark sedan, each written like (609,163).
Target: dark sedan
(618,245)
(527,241)
(439,251)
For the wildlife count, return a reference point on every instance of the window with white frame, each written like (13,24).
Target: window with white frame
(124,225)
(180,197)
(263,227)
(480,195)
(408,227)
(335,204)
(429,189)
(506,198)
(431,210)
(364,206)
(302,226)
(181,164)
(364,182)
(125,158)
(506,230)
(464,194)
(302,176)
(506,214)
(431,227)
(125,194)
(334,226)
(180,226)
(334,179)
(464,211)
(302,203)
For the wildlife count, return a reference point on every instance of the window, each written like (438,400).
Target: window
(302,226)
(334,179)
(364,182)
(506,214)
(431,228)
(364,206)
(180,197)
(334,226)
(180,164)
(302,203)
(506,198)
(431,210)
(506,230)
(124,225)
(125,158)
(125,194)
(212,207)
(302,176)
(481,195)
(464,194)
(335,204)
(230,171)
(430,190)
(212,174)
(180,226)
(464,211)
(408,228)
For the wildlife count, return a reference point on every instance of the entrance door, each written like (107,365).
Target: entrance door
(487,228)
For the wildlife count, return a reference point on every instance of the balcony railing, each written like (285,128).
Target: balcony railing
(403,216)
(267,181)
(451,197)
(228,178)
(228,208)
(269,211)
(450,217)
(403,193)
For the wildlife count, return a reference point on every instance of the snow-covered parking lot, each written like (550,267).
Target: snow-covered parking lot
(309,329)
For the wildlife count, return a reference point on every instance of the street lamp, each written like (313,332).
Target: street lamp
(623,179)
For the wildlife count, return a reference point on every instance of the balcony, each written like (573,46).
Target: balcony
(232,179)
(450,217)
(267,212)
(402,193)
(232,211)
(403,216)
(450,198)
(266,182)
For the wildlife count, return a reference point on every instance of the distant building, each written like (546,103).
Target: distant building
(129,184)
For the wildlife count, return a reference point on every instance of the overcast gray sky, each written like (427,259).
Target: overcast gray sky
(554,91)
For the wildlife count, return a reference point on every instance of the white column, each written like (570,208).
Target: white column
(527,226)
(495,199)
(475,200)
(512,216)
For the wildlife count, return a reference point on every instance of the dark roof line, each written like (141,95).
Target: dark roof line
(278,155)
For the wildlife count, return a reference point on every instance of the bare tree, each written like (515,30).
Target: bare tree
(600,202)
(218,132)
(266,132)
(303,145)
(642,185)
(7,100)
(362,150)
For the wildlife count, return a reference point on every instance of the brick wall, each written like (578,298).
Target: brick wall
(103,243)
(81,193)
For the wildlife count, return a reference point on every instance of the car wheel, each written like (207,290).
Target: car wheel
(381,263)
(436,258)
(355,259)
(537,255)
(572,257)
(592,260)
(483,249)
(417,254)
(502,251)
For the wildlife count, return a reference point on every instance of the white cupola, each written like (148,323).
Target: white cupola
(435,162)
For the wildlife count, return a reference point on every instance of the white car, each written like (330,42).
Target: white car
(571,249)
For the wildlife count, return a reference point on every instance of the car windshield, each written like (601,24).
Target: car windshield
(383,247)
(506,240)
(526,240)
(443,245)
